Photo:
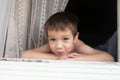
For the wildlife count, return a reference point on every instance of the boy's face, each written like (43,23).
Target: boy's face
(61,42)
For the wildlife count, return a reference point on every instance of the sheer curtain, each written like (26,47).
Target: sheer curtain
(15,21)
(4,21)
(21,24)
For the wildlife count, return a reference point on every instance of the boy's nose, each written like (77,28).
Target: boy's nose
(59,44)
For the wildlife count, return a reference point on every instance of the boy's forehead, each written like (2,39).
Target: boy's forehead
(65,31)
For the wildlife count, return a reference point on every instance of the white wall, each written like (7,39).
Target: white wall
(118,25)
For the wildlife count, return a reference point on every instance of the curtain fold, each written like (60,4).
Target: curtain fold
(18,23)
(21,24)
(4,20)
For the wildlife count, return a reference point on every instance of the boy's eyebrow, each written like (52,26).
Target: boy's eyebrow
(50,36)
(66,35)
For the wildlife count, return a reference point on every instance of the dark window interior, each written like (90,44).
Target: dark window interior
(98,19)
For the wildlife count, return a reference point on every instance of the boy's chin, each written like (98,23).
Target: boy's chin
(61,54)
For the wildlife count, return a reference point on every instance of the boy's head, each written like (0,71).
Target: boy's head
(61,21)
(61,29)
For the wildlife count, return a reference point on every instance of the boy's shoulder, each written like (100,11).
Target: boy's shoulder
(43,49)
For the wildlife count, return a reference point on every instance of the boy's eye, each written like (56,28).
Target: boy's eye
(66,38)
(52,39)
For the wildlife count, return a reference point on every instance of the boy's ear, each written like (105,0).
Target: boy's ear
(76,36)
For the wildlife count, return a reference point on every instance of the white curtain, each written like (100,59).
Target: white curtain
(21,24)
(4,21)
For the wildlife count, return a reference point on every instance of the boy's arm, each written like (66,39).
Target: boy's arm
(89,53)
(39,53)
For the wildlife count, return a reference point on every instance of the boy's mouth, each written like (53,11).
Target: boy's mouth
(60,53)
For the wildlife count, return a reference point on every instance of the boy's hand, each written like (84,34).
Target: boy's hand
(73,55)
(70,56)
(64,57)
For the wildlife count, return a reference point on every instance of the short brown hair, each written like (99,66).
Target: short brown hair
(61,21)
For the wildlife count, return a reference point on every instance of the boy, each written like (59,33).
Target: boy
(63,43)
